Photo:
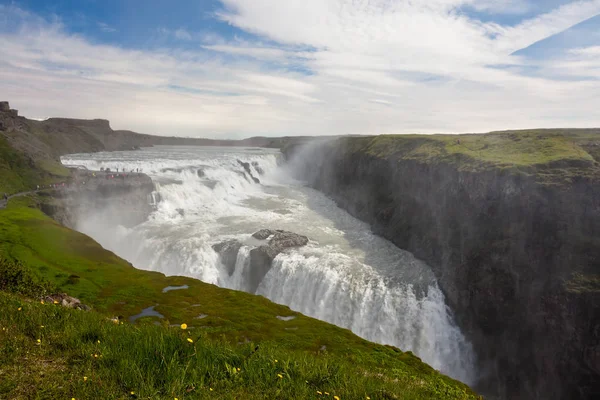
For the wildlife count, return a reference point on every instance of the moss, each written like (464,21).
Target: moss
(549,154)
(584,283)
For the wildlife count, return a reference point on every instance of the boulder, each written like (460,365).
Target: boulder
(282,240)
(261,258)
(228,252)
(4,106)
(263,234)
(65,300)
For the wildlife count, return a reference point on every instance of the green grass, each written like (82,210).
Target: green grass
(512,149)
(19,173)
(51,352)
(158,361)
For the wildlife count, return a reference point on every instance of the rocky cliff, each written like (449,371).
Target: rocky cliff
(515,244)
(118,199)
(54,137)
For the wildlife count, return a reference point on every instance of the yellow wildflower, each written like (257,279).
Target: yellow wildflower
(275,360)
(368,398)
(190,340)
(238,370)
(132,392)
(55,301)
(85,378)
(19,309)
(336,397)
(42,302)
(326,393)
(183,326)
(98,341)
(211,389)
(319,392)
(39,341)
(42,326)
(280,376)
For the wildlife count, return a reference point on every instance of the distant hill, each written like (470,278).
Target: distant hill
(54,137)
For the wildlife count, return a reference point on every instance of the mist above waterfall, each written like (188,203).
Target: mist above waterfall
(344,275)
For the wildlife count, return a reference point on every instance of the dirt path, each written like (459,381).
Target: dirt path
(4,202)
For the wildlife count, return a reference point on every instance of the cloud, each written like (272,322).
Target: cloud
(314,67)
(182,34)
(106,28)
(503,6)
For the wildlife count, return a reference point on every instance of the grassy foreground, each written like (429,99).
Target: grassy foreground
(50,352)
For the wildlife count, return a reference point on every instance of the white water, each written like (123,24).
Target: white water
(345,275)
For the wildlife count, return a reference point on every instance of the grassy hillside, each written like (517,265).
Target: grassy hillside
(527,151)
(21,173)
(295,359)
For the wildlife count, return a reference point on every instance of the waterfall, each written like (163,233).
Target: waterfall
(345,275)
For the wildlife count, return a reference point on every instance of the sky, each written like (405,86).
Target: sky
(241,68)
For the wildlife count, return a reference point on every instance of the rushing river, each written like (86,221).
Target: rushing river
(345,275)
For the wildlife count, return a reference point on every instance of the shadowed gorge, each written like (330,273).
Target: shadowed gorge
(509,222)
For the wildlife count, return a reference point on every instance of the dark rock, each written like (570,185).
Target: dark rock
(263,234)
(200,173)
(258,168)
(260,263)
(228,252)
(261,258)
(282,240)
(245,165)
(248,170)
(502,245)
(4,106)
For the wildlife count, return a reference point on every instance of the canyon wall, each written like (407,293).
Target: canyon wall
(516,252)
(114,198)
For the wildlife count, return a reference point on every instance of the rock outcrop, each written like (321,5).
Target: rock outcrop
(248,170)
(505,248)
(65,300)
(124,199)
(261,257)
(228,252)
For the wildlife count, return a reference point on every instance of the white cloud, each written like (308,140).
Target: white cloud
(104,27)
(378,66)
(182,34)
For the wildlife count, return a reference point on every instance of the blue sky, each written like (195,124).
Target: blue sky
(236,68)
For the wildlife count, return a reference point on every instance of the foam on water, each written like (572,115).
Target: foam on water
(346,275)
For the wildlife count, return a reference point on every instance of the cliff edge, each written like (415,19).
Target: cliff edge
(510,222)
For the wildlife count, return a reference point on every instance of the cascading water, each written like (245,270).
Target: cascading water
(345,275)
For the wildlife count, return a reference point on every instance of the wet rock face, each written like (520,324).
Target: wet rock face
(126,200)
(228,252)
(501,246)
(248,170)
(261,257)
